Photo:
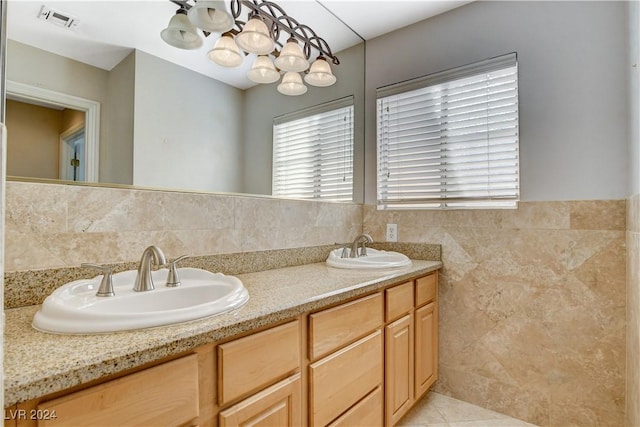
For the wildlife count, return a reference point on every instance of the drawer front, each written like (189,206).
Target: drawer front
(256,361)
(163,395)
(342,379)
(334,328)
(399,301)
(279,405)
(426,289)
(368,412)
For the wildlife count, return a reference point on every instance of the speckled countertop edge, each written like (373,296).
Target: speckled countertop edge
(63,361)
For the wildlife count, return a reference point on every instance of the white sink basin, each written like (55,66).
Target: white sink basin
(74,308)
(375,259)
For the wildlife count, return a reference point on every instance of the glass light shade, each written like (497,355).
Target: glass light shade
(181,33)
(292,84)
(226,52)
(291,58)
(210,16)
(320,73)
(263,71)
(255,38)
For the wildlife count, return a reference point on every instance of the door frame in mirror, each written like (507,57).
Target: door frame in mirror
(22,91)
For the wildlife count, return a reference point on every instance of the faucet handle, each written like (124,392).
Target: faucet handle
(172,278)
(345,252)
(106,286)
(363,249)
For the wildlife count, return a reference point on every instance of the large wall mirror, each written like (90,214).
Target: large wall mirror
(153,115)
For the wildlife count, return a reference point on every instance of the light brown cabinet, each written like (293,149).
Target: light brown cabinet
(426,348)
(335,327)
(278,405)
(399,368)
(368,412)
(252,368)
(361,363)
(426,333)
(411,344)
(249,364)
(342,380)
(162,395)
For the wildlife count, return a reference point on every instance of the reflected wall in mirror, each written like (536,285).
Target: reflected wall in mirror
(47,141)
(162,124)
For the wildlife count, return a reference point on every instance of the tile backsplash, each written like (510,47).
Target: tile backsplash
(633,312)
(54,225)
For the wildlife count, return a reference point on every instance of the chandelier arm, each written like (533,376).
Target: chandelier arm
(182,3)
(236,8)
(290,25)
(269,10)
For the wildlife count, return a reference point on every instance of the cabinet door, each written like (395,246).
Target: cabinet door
(278,405)
(426,348)
(399,368)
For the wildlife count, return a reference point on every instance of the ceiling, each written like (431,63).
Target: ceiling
(107,31)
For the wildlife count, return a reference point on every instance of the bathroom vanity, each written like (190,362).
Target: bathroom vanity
(313,346)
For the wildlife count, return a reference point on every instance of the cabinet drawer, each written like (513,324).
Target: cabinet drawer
(256,361)
(399,301)
(426,289)
(333,328)
(340,380)
(368,412)
(279,405)
(165,395)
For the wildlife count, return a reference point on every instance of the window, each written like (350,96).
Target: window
(450,140)
(313,152)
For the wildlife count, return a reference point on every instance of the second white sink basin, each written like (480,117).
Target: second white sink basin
(375,259)
(75,309)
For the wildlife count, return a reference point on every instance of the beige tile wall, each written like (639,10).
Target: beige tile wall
(532,300)
(532,307)
(633,312)
(50,225)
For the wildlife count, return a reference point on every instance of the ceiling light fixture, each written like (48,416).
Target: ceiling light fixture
(181,32)
(268,32)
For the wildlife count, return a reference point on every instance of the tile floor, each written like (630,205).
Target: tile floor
(438,410)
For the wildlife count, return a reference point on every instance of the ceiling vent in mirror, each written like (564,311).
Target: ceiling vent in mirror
(56,17)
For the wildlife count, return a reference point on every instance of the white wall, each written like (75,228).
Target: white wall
(116,151)
(572,86)
(187,129)
(634,97)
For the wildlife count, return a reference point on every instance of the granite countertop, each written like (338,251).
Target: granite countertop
(37,363)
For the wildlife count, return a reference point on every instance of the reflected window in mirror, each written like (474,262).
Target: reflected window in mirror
(313,152)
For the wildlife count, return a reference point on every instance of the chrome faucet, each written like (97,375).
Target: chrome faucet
(354,247)
(144,282)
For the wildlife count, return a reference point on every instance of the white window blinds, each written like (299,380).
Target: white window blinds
(313,152)
(450,140)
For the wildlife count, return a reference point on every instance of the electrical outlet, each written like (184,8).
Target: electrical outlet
(392,232)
